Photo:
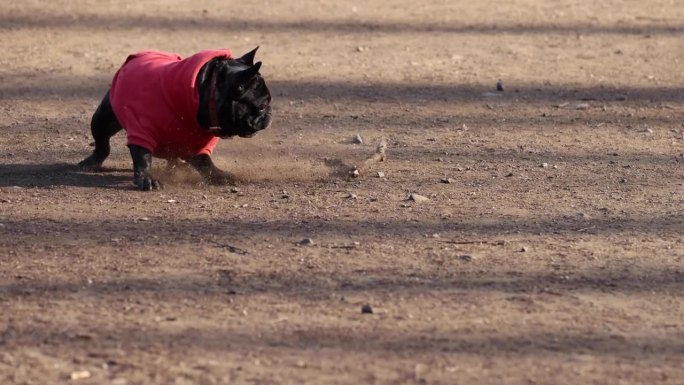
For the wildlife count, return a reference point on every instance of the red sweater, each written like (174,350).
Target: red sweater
(155,98)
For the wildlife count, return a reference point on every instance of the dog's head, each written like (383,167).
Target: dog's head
(243,102)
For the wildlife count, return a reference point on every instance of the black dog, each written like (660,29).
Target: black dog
(177,108)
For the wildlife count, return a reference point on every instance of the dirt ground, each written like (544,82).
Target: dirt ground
(555,255)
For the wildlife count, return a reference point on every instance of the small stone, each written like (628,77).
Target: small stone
(544,165)
(499,86)
(621,98)
(417,198)
(524,249)
(466,258)
(351,196)
(582,106)
(366,309)
(447,180)
(354,173)
(510,174)
(306,242)
(171,201)
(420,370)
(300,364)
(648,130)
(79,375)
(381,174)
(144,219)
(234,190)
(357,139)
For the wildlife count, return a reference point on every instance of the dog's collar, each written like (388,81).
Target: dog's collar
(213,115)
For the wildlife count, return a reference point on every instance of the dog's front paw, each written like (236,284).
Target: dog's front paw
(145,182)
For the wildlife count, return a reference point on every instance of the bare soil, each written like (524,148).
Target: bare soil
(554,256)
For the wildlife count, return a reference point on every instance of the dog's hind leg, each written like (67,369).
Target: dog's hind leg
(103,126)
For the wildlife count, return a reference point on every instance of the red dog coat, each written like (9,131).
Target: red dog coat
(155,98)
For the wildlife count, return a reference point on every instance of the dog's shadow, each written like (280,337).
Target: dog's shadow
(62,174)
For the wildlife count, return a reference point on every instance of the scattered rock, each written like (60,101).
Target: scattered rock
(648,130)
(499,86)
(357,139)
(419,371)
(524,249)
(354,173)
(171,201)
(620,98)
(381,174)
(544,165)
(510,174)
(300,364)
(466,258)
(351,196)
(79,375)
(447,180)
(306,242)
(417,198)
(366,309)
(582,106)
(234,190)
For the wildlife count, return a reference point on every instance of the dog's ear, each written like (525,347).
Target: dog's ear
(245,75)
(248,58)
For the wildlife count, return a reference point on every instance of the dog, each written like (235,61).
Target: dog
(177,109)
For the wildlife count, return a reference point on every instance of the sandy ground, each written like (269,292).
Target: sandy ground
(554,256)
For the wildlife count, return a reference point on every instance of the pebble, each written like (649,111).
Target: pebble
(381,174)
(354,173)
(357,139)
(171,201)
(499,86)
(544,165)
(306,242)
(582,106)
(234,190)
(79,375)
(447,180)
(420,370)
(466,258)
(524,249)
(417,198)
(351,196)
(366,309)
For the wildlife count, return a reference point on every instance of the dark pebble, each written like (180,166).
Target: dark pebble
(366,309)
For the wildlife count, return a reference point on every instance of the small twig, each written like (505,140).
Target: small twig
(231,248)
(495,243)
